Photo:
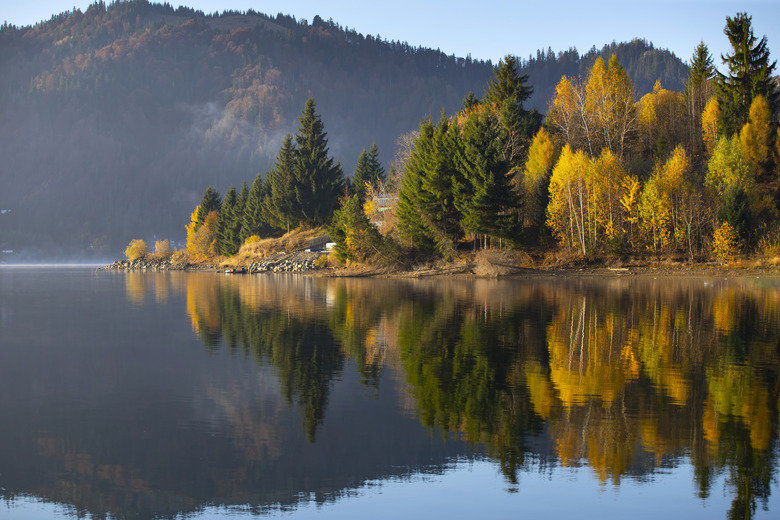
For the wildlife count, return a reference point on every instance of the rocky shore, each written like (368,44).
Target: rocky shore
(287,262)
(147,264)
(298,261)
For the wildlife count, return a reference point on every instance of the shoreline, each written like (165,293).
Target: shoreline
(305,263)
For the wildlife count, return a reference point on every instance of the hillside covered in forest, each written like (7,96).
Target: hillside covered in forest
(113,120)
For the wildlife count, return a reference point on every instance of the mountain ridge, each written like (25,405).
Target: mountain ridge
(114,120)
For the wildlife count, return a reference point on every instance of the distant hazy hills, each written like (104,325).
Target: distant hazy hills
(113,121)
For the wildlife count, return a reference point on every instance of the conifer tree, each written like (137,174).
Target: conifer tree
(361,176)
(506,93)
(699,88)
(238,216)
(375,169)
(225,223)
(318,179)
(280,203)
(368,171)
(749,75)
(483,194)
(427,216)
(252,221)
(208,203)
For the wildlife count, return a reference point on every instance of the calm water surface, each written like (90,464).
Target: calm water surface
(201,395)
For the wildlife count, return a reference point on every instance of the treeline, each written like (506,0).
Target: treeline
(693,173)
(301,190)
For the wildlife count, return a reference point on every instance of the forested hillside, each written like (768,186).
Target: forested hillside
(113,120)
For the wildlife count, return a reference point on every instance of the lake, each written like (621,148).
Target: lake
(205,395)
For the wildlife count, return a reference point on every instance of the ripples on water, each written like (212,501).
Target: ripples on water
(164,394)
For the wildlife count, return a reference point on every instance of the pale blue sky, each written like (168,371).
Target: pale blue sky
(490,29)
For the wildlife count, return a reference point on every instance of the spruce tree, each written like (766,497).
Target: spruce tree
(208,203)
(225,224)
(318,179)
(505,94)
(361,176)
(426,212)
(281,204)
(375,169)
(252,221)
(368,171)
(409,209)
(238,216)
(749,74)
(699,88)
(483,194)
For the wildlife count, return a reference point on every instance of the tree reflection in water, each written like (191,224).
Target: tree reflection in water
(625,376)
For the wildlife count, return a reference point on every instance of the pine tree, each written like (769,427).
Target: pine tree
(699,88)
(253,221)
(280,203)
(368,171)
(749,74)
(238,216)
(506,93)
(483,194)
(375,169)
(225,223)
(427,216)
(208,203)
(361,176)
(318,179)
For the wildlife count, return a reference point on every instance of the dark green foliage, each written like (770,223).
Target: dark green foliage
(427,216)
(505,95)
(361,176)
(735,210)
(318,179)
(281,204)
(225,228)
(508,86)
(484,196)
(702,67)
(470,101)
(208,203)
(749,74)
(355,237)
(253,221)
(368,171)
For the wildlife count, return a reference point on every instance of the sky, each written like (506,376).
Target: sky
(491,29)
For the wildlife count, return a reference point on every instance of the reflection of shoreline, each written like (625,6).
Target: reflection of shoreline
(625,374)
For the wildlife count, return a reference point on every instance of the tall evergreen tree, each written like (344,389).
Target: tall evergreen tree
(507,92)
(702,67)
(252,221)
(368,171)
(361,176)
(208,203)
(225,225)
(319,180)
(699,88)
(376,171)
(238,215)
(483,192)
(749,74)
(427,215)
(281,204)
(410,225)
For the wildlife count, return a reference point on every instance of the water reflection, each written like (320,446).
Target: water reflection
(309,387)
(624,376)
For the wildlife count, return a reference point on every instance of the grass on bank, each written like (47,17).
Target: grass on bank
(254,251)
